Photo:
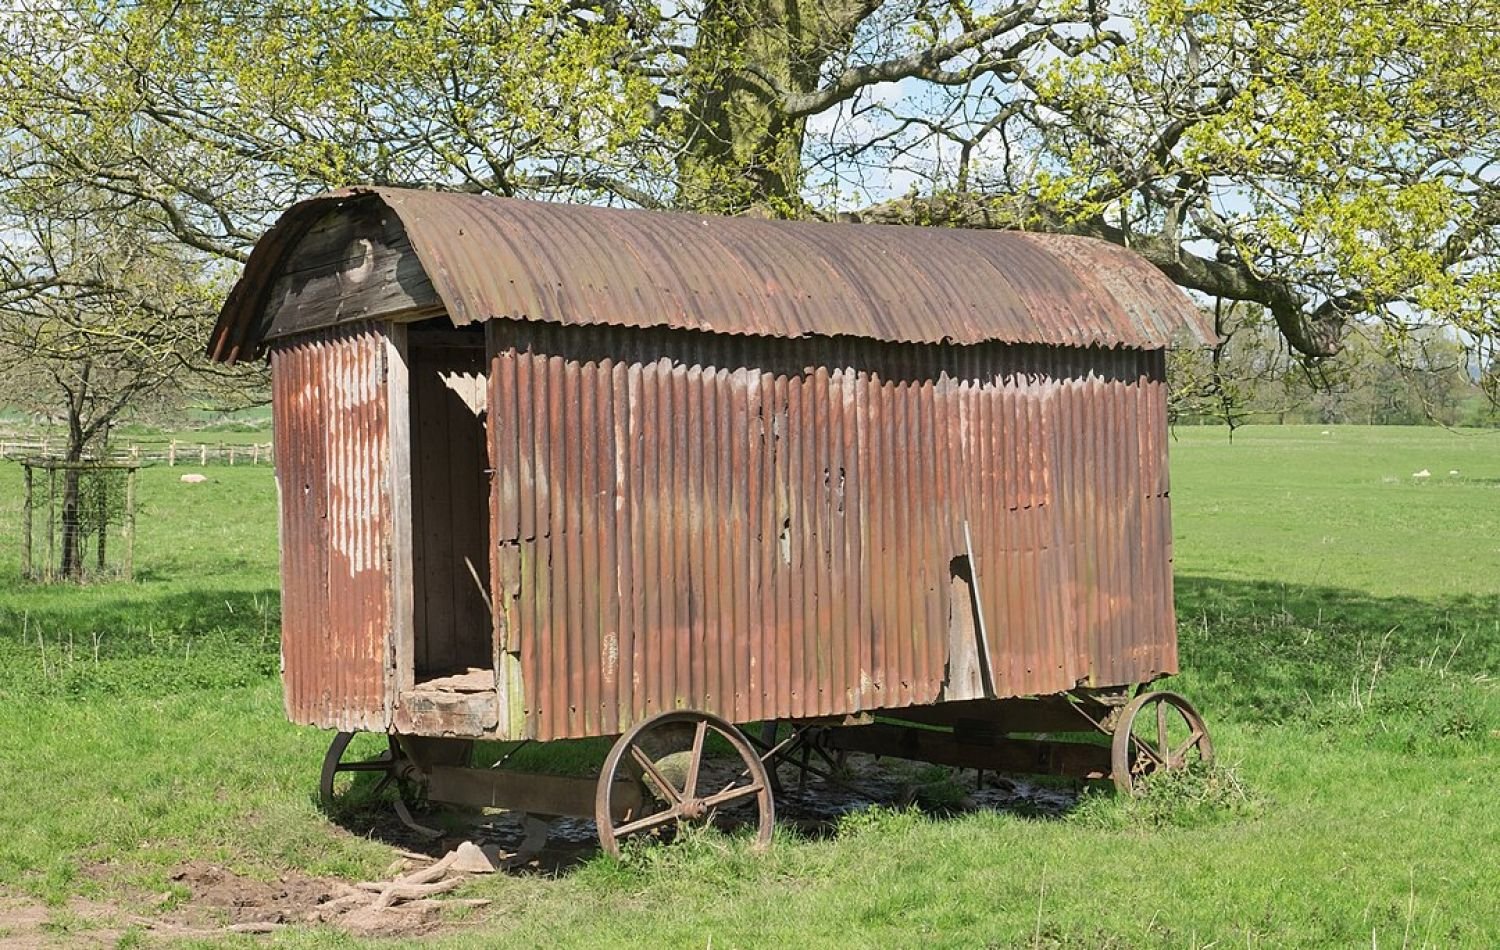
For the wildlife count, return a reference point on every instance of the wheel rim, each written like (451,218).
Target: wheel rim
(334,765)
(1157,731)
(664,759)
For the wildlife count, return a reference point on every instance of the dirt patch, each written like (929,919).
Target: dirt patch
(290,898)
(28,924)
(221,901)
(246,904)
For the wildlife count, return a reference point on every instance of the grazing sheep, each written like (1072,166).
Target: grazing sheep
(1422,474)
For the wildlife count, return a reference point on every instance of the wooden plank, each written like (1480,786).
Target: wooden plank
(561,795)
(437,713)
(350,265)
(398,412)
(1076,759)
(1045,714)
(473,680)
(962,679)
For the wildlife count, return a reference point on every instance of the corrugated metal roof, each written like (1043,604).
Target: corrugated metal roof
(580,265)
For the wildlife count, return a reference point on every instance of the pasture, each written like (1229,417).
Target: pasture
(1340,630)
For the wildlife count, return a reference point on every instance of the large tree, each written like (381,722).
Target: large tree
(1332,161)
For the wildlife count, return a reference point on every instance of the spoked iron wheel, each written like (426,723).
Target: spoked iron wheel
(331,789)
(666,756)
(388,764)
(1156,732)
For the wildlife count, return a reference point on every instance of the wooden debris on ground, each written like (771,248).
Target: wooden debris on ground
(367,906)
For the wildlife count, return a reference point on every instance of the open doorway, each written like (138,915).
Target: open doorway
(452,630)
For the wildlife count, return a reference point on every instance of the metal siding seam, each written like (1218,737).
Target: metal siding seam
(328,362)
(804,702)
(901,620)
(856,526)
(585,563)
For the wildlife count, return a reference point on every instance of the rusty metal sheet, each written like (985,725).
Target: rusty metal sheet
(492,258)
(331,430)
(765,528)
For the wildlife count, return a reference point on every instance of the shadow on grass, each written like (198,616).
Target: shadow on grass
(1413,674)
(1404,672)
(125,639)
(869,792)
(1271,653)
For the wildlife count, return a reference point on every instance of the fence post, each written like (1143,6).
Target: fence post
(172,453)
(231,455)
(202,454)
(51,521)
(129,522)
(255,453)
(26,526)
(101,482)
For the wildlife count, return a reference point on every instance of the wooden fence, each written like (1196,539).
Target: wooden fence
(170,452)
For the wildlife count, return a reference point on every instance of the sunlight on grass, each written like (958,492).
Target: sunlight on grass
(1339,628)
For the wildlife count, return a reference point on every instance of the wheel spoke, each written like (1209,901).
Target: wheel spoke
(649,767)
(731,794)
(650,821)
(690,787)
(1145,747)
(1133,753)
(1187,746)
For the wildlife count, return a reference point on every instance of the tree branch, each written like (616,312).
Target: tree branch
(925,64)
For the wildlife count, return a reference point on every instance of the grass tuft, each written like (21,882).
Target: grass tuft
(1198,796)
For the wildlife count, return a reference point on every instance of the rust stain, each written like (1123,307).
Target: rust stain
(492,258)
(758,469)
(765,528)
(329,412)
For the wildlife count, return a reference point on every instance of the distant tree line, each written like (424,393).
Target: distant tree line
(1422,377)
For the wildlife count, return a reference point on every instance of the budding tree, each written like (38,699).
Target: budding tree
(1331,162)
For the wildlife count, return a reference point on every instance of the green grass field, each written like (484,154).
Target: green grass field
(1340,628)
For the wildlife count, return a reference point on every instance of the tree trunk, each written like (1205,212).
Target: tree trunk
(72,534)
(71,565)
(744,151)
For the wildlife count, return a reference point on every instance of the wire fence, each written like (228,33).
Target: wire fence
(77,520)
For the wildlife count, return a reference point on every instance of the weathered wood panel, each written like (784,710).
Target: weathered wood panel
(450,489)
(350,265)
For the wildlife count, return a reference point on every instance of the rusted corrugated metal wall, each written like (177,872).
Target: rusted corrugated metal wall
(332,464)
(764,528)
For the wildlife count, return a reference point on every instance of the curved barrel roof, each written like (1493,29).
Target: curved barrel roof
(492,258)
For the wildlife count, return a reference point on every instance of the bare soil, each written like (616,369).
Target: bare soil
(28,924)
